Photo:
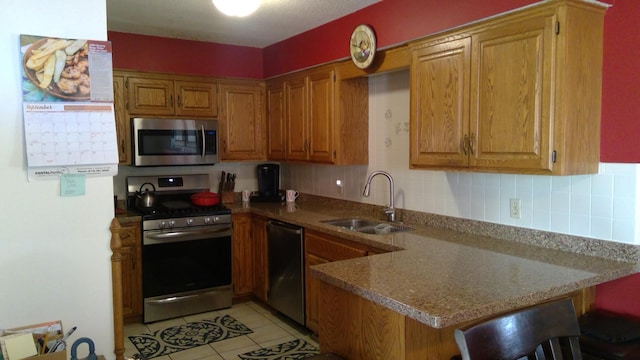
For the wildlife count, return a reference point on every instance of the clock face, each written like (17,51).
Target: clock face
(362,46)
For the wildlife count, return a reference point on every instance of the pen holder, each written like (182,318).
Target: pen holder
(228,197)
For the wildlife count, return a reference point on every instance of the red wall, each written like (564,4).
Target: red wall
(621,296)
(621,83)
(151,53)
(394,22)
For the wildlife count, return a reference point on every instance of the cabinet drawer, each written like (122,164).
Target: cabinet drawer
(128,235)
(331,250)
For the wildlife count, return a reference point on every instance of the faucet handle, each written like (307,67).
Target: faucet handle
(391,213)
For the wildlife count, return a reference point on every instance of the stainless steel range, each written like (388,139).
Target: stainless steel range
(186,249)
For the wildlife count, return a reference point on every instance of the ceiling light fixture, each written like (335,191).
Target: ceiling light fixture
(239,8)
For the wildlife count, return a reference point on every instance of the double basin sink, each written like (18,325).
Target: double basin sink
(367,226)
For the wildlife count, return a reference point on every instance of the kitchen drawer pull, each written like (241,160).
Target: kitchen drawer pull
(471,144)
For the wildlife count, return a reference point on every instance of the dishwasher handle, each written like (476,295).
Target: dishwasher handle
(285,226)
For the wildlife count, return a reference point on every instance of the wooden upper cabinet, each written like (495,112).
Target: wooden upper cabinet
(167,96)
(122,120)
(321,117)
(510,96)
(326,118)
(242,125)
(297,115)
(439,98)
(150,96)
(519,93)
(196,98)
(276,121)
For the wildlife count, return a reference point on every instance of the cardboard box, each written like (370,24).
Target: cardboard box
(38,331)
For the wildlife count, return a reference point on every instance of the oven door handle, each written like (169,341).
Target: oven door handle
(174,299)
(186,235)
(204,141)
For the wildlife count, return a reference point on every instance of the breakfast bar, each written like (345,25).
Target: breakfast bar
(405,303)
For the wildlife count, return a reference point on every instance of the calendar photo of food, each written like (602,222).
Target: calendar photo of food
(55,69)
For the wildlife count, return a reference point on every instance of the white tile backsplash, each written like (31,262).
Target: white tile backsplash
(604,205)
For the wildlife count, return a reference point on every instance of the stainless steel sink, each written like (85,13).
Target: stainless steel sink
(366,226)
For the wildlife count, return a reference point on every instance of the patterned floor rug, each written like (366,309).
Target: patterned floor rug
(184,337)
(292,350)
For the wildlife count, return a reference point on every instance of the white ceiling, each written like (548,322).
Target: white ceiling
(274,21)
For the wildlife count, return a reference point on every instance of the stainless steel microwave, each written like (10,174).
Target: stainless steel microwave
(171,142)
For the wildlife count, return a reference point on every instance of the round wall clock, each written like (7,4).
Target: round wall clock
(362,46)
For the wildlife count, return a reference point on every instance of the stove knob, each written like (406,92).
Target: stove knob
(207,220)
(163,224)
(172,223)
(190,221)
(216,219)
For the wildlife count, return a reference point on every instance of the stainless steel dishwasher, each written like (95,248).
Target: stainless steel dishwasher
(286,269)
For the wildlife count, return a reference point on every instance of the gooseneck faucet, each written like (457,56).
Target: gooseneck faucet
(389,211)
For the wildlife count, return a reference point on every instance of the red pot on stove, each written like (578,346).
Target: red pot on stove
(205,198)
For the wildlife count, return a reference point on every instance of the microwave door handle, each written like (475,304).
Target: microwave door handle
(204,141)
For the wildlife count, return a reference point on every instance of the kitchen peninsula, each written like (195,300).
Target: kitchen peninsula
(405,303)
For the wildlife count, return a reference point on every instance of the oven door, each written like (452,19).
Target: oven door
(182,260)
(170,142)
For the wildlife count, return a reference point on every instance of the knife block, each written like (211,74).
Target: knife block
(228,197)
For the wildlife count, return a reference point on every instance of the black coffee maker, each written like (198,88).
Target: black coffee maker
(268,184)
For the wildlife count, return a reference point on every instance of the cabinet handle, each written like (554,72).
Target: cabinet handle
(179,101)
(170,100)
(133,262)
(471,144)
(224,145)
(122,146)
(465,141)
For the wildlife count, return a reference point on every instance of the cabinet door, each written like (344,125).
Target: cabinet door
(511,87)
(297,120)
(150,96)
(122,120)
(242,133)
(276,122)
(439,104)
(242,255)
(320,249)
(260,271)
(131,272)
(312,292)
(196,98)
(321,117)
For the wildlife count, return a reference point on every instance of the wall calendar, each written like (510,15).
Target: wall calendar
(67,92)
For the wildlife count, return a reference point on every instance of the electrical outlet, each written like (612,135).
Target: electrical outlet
(339,187)
(515,208)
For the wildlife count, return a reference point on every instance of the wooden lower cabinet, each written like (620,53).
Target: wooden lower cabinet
(131,255)
(319,249)
(358,329)
(260,265)
(241,255)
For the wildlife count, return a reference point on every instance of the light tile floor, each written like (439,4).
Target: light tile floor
(268,328)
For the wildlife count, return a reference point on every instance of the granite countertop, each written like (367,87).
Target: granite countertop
(442,277)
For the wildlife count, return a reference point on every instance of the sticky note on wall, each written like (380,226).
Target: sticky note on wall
(72,184)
